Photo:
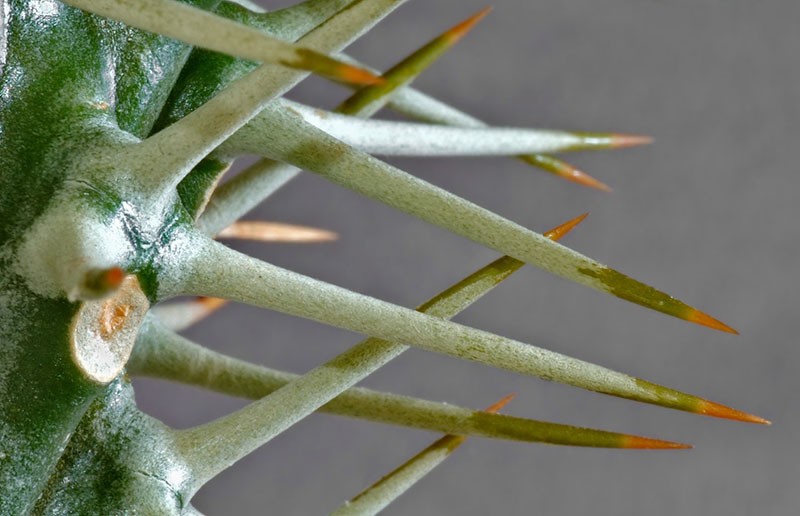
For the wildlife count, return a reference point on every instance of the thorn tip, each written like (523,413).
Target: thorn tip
(634,442)
(558,232)
(114,276)
(101,282)
(713,409)
(355,75)
(574,174)
(211,303)
(620,141)
(499,404)
(565,170)
(459,31)
(703,319)
(275,232)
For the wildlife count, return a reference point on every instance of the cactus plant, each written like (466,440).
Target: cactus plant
(118,119)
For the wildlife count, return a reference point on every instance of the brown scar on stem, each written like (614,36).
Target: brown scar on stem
(103,332)
(112,317)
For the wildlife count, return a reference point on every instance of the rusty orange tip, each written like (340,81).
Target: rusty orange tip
(499,404)
(211,303)
(565,170)
(572,173)
(710,408)
(113,277)
(634,442)
(275,232)
(619,141)
(558,232)
(356,75)
(703,319)
(459,31)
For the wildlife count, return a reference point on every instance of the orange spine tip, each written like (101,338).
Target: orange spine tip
(710,408)
(619,141)
(499,404)
(201,307)
(211,303)
(698,317)
(633,442)
(275,232)
(100,282)
(457,32)
(558,232)
(564,170)
(355,75)
(571,173)
(113,277)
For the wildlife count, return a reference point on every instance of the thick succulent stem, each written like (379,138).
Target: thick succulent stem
(113,135)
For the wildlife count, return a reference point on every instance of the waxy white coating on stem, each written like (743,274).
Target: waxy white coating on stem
(65,245)
(209,268)
(410,139)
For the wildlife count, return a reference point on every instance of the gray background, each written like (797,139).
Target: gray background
(707,213)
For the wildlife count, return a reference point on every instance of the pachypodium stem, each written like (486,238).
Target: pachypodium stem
(118,120)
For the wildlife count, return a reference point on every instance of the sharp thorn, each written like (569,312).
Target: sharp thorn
(703,319)
(459,31)
(646,443)
(564,170)
(275,232)
(558,232)
(620,141)
(499,404)
(710,408)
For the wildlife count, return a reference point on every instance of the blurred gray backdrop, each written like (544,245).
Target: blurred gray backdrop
(707,213)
